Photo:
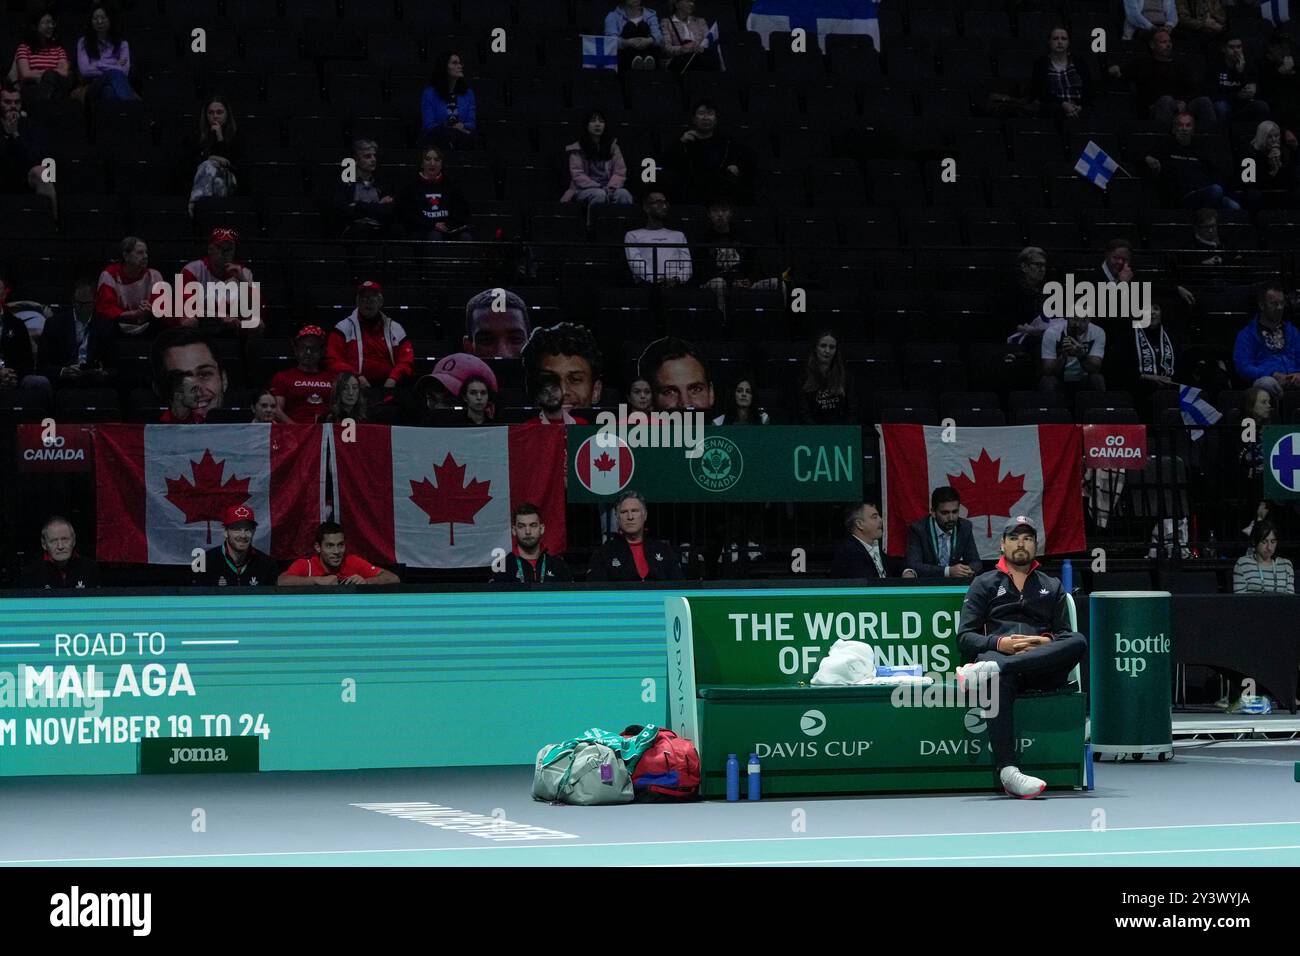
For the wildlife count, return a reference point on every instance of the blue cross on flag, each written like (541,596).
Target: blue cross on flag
(1095,166)
(818,17)
(599,53)
(1281,447)
(1279,11)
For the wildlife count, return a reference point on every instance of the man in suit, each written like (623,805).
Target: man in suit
(77,346)
(860,555)
(631,556)
(943,545)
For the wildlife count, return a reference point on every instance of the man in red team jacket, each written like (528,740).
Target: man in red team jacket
(370,344)
(303,393)
(331,564)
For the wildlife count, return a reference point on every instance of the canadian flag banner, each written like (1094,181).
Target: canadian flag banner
(999,472)
(161,490)
(441,497)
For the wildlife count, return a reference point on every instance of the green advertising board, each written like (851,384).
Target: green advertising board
(675,463)
(1281,449)
(1131,672)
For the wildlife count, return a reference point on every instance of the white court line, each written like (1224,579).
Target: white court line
(951,859)
(198,643)
(587,846)
(1259,761)
(6,646)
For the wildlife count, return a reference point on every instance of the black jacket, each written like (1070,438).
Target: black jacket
(424,204)
(58,344)
(346,210)
(524,572)
(1041,84)
(79,572)
(16,345)
(613,562)
(1183,169)
(924,560)
(259,570)
(994,608)
(852,561)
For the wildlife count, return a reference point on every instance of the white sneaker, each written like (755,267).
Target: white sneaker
(979,670)
(1021,785)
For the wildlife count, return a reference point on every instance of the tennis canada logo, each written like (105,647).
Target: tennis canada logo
(720,467)
(812,723)
(604,464)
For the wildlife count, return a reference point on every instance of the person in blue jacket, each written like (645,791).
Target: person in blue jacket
(447,106)
(639,35)
(1267,352)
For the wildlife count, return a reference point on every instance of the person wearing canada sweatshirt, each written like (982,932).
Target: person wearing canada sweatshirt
(1015,632)
(370,344)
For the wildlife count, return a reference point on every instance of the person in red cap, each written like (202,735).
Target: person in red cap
(469,383)
(370,344)
(331,564)
(303,393)
(218,265)
(236,563)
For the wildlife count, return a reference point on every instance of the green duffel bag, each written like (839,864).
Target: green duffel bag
(587,775)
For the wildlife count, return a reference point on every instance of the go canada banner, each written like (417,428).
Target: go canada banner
(723,463)
(422,497)
(1034,470)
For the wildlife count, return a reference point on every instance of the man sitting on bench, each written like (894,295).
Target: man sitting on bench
(1015,631)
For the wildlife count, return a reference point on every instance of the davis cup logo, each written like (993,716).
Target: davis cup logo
(974,720)
(812,723)
(1284,461)
(604,464)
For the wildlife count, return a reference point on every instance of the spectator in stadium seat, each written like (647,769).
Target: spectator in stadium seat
(77,346)
(528,562)
(235,562)
(740,405)
(640,395)
(1014,632)
(1149,365)
(470,383)
(60,567)
(1165,85)
(630,555)
(548,395)
(188,351)
(1257,412)
(726,260)
(1277,182)
(104,58)
(1279,80)
(126,290)
(686,45)
(349,402)
(1205,237)
(41,62)
(1259,570)
(265,408)
(943,544)
(1143,17)
(859,555)
(1019,297)
(570,351)
(1187,177)
(646,257)
(17,358)
(707,163)
(1233,85)
(218,266)
(364,209)
(496,326)
(1061,82)
(1072,354)
(677,374)
(433,206)
(448,107)
(826,394)
(23,151)
(183,400)
(1118,267)
(219,151)
(331,564)
(1201,18)
(639,35)
(1267,351)
(370,344)
(597,172)
(303,393)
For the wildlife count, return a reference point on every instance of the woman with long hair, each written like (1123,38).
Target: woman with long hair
(349,400)
(1277,178)
(1259,570)
(220,152)
(104,57)
(265,407)
(41,62)
(826,392)
(741,407)
(597,171)
(447,105)
(640,396)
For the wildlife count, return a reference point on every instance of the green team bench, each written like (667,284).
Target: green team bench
(739,672)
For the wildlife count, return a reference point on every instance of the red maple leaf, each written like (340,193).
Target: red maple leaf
(451,500)
(604,462)
(987,494)
(206,498)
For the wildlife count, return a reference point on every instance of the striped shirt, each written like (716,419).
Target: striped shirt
(46,58)
(1250,577)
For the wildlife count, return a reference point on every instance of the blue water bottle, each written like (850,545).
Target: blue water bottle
(1067,576)
(733,778)
(755,778)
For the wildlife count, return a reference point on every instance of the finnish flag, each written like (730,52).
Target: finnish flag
(818,17)
(1095,166)
(1196,410)
(599,53)
(1279,11)
(713,41)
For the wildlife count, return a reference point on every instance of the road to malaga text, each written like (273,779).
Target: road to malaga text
(87,685)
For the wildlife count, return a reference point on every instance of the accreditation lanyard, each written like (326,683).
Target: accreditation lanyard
(541,568)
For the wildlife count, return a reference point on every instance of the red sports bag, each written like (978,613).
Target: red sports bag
(668,769)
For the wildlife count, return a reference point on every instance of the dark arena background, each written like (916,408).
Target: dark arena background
(445,433)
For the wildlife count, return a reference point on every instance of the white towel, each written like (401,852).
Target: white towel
(849,662)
